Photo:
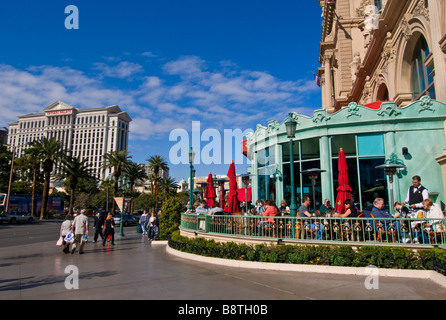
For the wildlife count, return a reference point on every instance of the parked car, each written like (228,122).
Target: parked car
(103,213)
(16,217)
(129,220)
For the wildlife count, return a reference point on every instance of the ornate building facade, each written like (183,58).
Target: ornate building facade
(383,81)
(382,50)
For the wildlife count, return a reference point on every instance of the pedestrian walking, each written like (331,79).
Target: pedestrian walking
(98,225)
(80,229)
(151,226)
(65,229)
(109,229)
(143,222)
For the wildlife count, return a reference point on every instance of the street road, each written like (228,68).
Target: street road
(26,233)
(33,267)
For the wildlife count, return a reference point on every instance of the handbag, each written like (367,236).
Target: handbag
(69,238)
(59,242)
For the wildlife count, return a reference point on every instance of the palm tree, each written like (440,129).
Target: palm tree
(156,164)
(73,170)
(49,153)
(135,172)
(106,185)
(32,157)
(167,184)
(117,161)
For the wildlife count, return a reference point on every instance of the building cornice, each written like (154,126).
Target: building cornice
(351,118)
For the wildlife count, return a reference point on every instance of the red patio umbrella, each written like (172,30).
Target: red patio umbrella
(209,192)
(233,204)
(344,190)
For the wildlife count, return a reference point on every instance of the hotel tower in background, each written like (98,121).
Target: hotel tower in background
(85,133)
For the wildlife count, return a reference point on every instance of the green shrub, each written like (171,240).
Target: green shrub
(170,217)
(383,257)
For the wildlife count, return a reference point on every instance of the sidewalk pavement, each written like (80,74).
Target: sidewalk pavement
(135,269)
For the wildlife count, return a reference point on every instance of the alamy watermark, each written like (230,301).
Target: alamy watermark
(72,20)
(72,280)
(372,281)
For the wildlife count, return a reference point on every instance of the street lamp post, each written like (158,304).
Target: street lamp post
(124,184)
(221,192)
(390,170)
(291,131)
(203,186)
(313,175)
(245,182)
(191,183)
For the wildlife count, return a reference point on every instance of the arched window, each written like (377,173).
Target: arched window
(383,93)
(422,79)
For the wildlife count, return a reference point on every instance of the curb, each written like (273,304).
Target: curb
(355,271)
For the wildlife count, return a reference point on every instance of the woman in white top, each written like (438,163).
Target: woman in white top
(65,229)
(151,225)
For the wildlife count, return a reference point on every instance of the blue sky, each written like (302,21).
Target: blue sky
(228,64)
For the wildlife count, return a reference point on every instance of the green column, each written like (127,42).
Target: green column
(279,180)
(293,206)
(389,148)
(254,179)
(327,176)
(191,190)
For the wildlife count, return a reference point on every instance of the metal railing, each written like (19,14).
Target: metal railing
(397,231)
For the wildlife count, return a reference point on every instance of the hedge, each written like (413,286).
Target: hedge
(332,255)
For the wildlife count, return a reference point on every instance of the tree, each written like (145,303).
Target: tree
(170,216)
(156,164)
(32,157)
(49,153)
(106,185)
(144,201)
(5,167)
(134,172)
(116,160)
(168,185)
(74,169)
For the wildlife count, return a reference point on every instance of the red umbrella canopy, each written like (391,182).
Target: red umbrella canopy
(233,203)
(209,192)
(344,190)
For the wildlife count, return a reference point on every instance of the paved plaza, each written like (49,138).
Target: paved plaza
(33,267)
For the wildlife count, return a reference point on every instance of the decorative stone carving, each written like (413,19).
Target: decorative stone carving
(390,110)
(321,117)
(426,104)
(421,10)
(360,11)
(353,110)
(371,23)
(405,29)
(387,55)
(354,65)
(273,126)
(295,117)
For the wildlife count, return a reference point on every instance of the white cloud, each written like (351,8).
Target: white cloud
(122,70)
(185,90)
(149,54)
(185,67)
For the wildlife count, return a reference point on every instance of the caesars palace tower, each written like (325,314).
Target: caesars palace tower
(84,133)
